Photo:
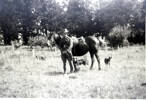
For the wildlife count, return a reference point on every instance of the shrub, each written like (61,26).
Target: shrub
(38,41)
(118,36)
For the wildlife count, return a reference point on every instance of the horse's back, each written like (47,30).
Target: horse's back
(92,40)
(80,49)
(90,44)
(93,43)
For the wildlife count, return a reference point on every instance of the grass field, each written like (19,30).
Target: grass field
(23,75)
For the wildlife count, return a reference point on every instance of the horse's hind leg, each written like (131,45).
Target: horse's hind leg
(71,65)
(64,63)
(92,60)
(98,60)
(75,66)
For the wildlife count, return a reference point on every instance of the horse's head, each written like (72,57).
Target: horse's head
(56,38)
(62,41)
(51,40)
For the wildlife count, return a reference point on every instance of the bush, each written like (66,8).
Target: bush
(118,36)
(38,41)
(137,38)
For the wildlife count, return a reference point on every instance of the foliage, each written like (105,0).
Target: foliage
(38,41)
(118,36)
(79,17)
(137,24)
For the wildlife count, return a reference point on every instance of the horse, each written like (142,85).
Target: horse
(72,46)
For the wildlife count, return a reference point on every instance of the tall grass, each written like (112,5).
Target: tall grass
(24,75)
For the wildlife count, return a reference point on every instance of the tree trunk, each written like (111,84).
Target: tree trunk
(6,35)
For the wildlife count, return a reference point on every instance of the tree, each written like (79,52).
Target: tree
(137,23)
(26,17)
(8,20)
(33,17)
(79,18)
(50,15)
(16,16)
(111,14)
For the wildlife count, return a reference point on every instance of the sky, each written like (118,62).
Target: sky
(93,3)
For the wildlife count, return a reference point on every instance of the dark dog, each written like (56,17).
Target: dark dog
(107,60)
(80,61)
(41,58)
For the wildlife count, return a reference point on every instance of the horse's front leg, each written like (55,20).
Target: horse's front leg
(70,60)
(71,65)
(64,63)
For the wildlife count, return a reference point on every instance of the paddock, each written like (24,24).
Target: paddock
(23,75)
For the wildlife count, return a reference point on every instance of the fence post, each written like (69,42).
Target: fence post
(13,45)
(33,52)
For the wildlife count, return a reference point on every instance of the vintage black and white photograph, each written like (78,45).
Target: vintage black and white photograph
(73,49)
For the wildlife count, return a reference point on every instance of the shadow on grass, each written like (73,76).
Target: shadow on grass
(54,73)
(143,84)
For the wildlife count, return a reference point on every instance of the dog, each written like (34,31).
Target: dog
(107,60)
(41,58)
(80,61)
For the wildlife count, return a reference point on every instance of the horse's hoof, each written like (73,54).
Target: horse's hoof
(99,69)
(77,70)
(91,68)
(71,71)
(65,73)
